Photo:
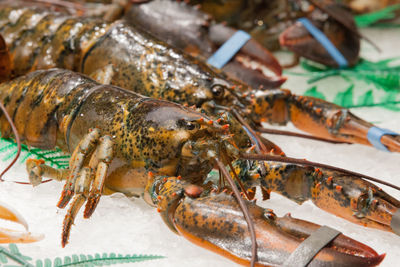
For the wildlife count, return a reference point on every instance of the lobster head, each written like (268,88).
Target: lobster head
(336,23)
(189,141)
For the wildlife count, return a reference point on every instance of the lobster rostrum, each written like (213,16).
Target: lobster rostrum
(118,54)
(123,142)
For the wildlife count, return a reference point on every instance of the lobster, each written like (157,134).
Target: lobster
(123,142)
(271,24)
(197,40)
(124,56)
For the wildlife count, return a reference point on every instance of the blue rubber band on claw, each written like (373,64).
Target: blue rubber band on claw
(229,49)
(375,134)
(325,42)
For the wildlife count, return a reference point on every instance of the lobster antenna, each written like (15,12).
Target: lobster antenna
(253,136)
(14,129)
(244,210)
(313,164)
(300,135)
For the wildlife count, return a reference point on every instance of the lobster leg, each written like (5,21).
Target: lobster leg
(82,192)
(85,147)
(11,236)
(352,198)
(37,169)
(102,160)
(317,117)
(216,222)
(87,182)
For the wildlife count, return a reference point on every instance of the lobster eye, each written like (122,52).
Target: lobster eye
(188,125)
(218,90)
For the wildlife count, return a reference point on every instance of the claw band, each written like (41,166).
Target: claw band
(395,222)
(307,250)
(375,134)
(325,42)
(229,49)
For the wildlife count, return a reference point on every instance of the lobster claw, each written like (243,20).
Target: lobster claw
(340,124)
(217,223)
(12,236)
(357,200)
(338,25)
(337,191)
(188,28)
(320,118)
(261,57)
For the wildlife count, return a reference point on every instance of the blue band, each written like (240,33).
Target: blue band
(375,134)
(325,42)
(228,49)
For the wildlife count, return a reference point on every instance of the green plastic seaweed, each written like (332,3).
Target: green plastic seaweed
(371,19)
(384,74)
(13,254)
(346,99)
(55,158)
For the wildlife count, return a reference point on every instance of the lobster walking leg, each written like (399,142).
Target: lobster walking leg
(81,152)
(37,169)
(100,163)
(79,179)
(217,223)
(82,191)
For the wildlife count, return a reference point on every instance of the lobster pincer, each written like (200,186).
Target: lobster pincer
(12,236)
(216,222)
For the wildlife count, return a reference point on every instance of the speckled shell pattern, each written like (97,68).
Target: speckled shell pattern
(40,39)
(58,107)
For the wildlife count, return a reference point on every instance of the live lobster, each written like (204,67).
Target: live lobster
(209,97)
(114,53)
(163,151)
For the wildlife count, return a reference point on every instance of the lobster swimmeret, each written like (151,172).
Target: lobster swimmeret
(123,142)
(124,56)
